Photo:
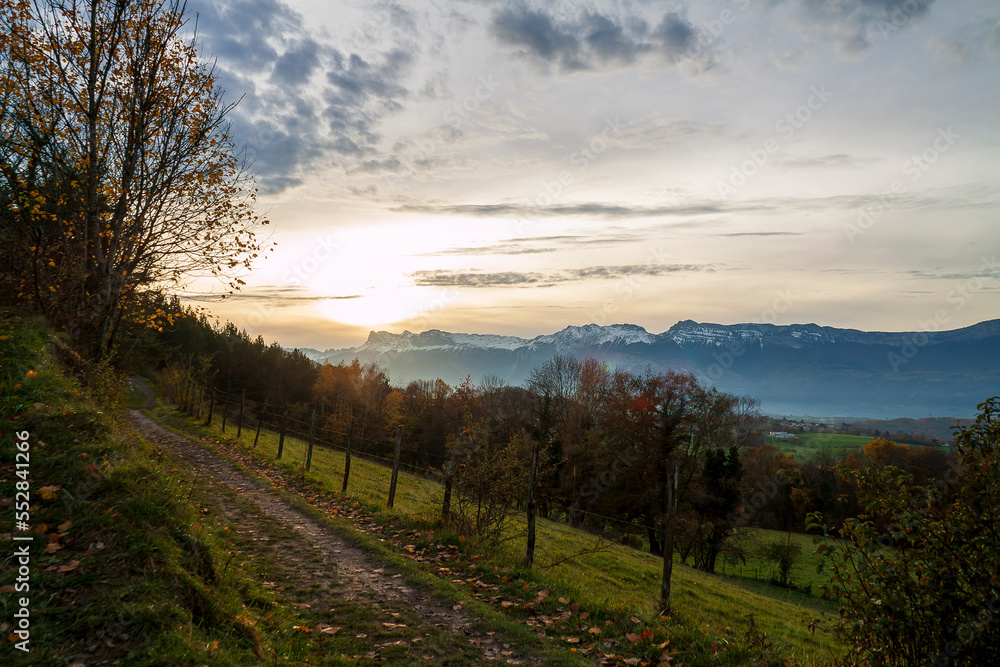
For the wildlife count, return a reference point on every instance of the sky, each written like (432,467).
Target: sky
(518,167)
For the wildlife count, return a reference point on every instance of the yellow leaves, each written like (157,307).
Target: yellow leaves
(49,492)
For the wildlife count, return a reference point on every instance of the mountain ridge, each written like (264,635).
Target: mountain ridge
(793,369)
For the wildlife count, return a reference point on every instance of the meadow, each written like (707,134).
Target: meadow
(805,446)
(596,573)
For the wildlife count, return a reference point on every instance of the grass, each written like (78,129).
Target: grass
(759,573)
(613,580)
(130,563)
(836,445)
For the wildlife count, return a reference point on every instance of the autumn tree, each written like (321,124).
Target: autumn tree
(117,170)
(916,572)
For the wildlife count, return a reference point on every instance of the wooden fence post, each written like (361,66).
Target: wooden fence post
(529,554)
(225,412)
(668,540)
(312,433)
(347,455)
(259,420)
(239,423)
(281,437)
(446,503)
(395,466)
(201,401)
(211,406)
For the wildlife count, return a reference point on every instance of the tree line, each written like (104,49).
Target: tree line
(608,438)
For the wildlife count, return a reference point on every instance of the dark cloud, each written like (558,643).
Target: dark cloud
(290,117)
(854,26)
(297,64)
(593,40)
(444,278)
(471,279)
(278,296)
(677,36)
(362,93)
(594,210)
(611,42)
(539,36)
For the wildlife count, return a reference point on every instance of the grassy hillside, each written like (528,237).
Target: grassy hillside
(610,578)
(129,561)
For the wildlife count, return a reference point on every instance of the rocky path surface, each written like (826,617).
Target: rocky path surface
(316,558)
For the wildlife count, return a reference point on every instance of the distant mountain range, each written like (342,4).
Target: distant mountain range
(799,369)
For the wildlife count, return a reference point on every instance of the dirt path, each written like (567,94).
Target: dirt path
(322,562)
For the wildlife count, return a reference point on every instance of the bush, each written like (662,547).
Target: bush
(918,573)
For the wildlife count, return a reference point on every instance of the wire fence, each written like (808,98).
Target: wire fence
(242,414)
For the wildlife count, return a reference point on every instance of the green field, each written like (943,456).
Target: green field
(612,577)
(805,582)
(808,445)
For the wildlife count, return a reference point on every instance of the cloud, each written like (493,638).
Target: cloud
(472,279)
(993,41)
(761,234)
(476,279)
(279,296)
(966,44)
(592,40)
(586,209)
(832,161)
(659,131)
(497,249)
(301,100)
(855,26)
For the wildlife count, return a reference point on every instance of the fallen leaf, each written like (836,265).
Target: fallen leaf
(632,637)
(49,492)
(52,547)
(68,567)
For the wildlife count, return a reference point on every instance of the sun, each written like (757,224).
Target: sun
(376,307)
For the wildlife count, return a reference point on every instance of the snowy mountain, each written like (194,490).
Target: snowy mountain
(796,369)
